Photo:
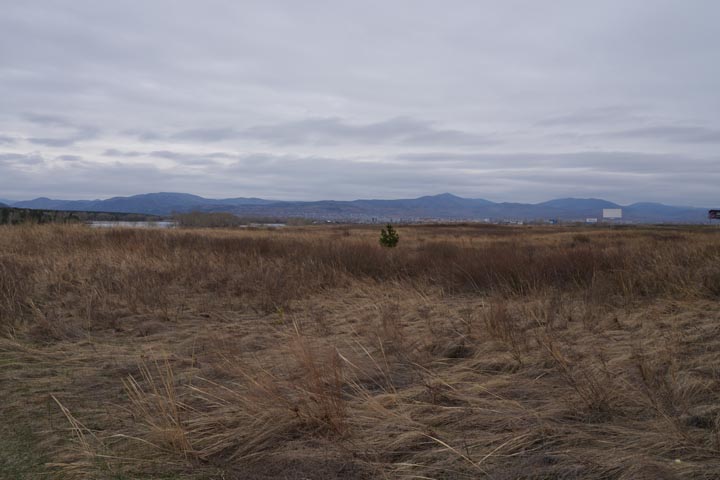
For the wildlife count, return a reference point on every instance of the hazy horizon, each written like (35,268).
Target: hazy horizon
(515,101)
(270,198)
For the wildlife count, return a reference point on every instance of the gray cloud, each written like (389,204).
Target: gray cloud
(180,157)
(670,133)
(222,155)
(58,130)
(403,130)
(78,135)
(44,119)
(69,158)
(517,177)
(206,134)
(20,159)
(593,116)
(113,152)
(336,131)
(143,135)
(184,158)
(518,100)
(591,162)
(52,142)
(166,154)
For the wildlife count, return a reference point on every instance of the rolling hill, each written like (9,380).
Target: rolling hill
(162,203)
(438,207)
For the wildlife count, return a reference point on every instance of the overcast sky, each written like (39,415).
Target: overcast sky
(504,100)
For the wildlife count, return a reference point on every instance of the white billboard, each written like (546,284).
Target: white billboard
(612,213)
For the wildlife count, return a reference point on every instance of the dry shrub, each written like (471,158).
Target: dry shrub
(657,381)
(271,285)
(389,328)
(320,387)
(156,405)
(591,381)
(503,327)
(246,417)
(711,281)
(15,292)
(581,238)
(207,219)
(51,326)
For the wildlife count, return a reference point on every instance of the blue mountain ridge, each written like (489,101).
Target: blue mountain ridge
(442,206)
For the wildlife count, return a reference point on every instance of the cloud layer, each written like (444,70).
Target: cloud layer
(516,101)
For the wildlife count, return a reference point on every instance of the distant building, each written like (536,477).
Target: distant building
(612,213)
(591,220)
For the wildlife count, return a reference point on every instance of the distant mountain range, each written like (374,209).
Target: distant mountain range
(439,207)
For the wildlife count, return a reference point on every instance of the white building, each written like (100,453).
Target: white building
(612,213)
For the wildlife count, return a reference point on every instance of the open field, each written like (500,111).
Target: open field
(312,352)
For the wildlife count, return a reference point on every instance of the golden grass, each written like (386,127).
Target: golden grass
(312,352)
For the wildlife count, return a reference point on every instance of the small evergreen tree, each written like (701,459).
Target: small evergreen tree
(389,237)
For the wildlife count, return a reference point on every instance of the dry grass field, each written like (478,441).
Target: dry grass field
(313,352)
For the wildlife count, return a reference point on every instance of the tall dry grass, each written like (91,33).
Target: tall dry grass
(140,269)
(465,352)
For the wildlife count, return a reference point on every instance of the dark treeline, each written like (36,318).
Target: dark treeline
(14,216)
